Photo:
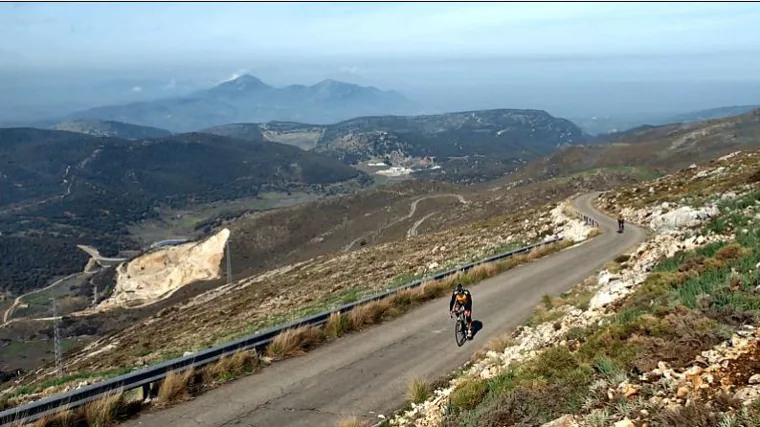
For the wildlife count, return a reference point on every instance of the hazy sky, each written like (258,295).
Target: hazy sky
(75,34)
(567,57)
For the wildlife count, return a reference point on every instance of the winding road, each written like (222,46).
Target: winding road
(365,374)
(9,312)
(412,211)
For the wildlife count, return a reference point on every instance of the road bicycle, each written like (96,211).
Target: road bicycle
(460,327)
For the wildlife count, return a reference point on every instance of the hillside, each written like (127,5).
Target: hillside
(665,335)
(248,99)
(62,188)
(713,113)
(468,146)
(111,129)
(301,135)
(610,126)
(293,261)
(651,150)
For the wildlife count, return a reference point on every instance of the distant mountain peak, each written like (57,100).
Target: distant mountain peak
(246,82)
(337,84)
(329,82)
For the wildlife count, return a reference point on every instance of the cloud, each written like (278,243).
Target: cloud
(235,75)
(350,70)
(137,89)
(171,85)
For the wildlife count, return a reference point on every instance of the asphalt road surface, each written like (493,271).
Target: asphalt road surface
(365,374)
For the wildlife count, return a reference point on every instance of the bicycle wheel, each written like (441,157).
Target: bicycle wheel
(460,332)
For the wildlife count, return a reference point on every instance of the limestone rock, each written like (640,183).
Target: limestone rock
(157,274)
(563,421)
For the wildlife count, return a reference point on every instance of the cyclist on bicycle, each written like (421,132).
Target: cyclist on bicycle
(462,298)
(621,222)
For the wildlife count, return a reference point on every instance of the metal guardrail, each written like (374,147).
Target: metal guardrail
(258,341)
(591,222)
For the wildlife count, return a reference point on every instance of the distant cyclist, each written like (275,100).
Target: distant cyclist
(462,298)
(621,222)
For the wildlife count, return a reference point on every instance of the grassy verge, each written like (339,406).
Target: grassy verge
(295,342)
(689,303)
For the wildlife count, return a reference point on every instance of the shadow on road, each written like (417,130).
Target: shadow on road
(477,325)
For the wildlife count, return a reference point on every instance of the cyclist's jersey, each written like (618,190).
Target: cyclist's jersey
(463,298)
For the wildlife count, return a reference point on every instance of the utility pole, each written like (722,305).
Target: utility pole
(229,263)
(57,338)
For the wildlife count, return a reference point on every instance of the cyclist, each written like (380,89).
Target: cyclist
(462,298)
(621,222)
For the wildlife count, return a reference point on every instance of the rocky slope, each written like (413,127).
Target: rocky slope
(157,274)
(663,337)
(651,150)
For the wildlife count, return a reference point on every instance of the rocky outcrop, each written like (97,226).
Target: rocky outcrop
(157,274)
(568,224)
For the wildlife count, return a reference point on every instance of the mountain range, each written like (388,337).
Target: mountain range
(248,99)
(470,146)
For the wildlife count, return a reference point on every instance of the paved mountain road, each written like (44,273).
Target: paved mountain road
(365,374)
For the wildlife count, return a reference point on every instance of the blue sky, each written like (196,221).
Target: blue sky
(103,34)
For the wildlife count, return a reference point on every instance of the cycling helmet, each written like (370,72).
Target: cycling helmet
(459,287)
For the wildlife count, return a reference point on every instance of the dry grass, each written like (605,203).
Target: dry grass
(360,316)
(337,325)
(499,344)
(542,315)
(483,271)
(244,361)
(417,390)
(543,251)
(104,411)
(613,267)
(175,387)
(512,262)
(496,344)
(352,422)
(594,232)
(229,367)
(64,418)
(294,342)
(431,289)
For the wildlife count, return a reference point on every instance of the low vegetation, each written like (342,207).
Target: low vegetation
(175,387)
(691,302)
(418,390)
(352,422)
